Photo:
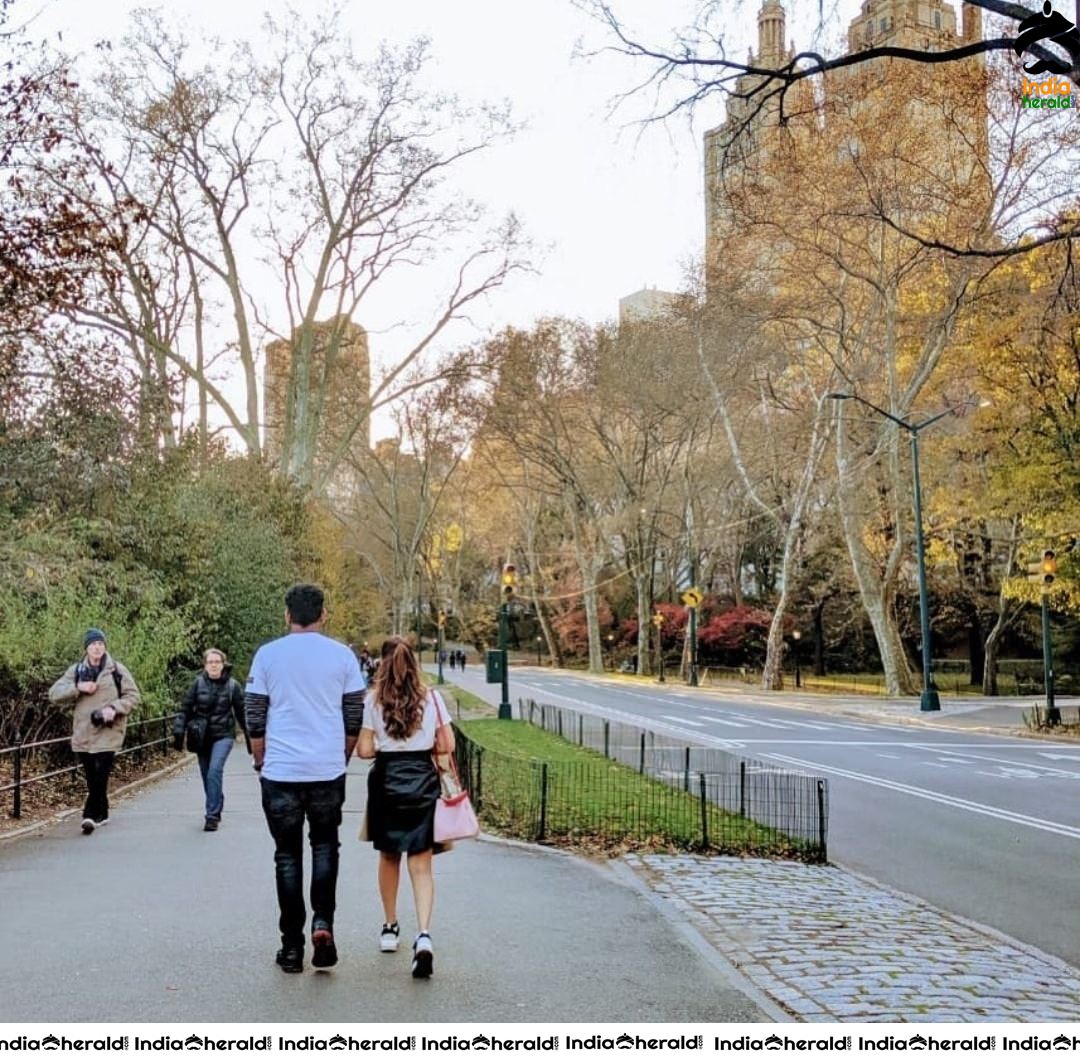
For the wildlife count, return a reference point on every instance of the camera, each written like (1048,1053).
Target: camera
(97,718)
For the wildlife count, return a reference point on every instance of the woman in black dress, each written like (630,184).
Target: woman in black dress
(405,724)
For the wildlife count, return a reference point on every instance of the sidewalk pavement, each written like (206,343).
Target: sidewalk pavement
(826,944)
(151,919)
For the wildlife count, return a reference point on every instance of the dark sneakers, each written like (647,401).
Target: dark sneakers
(423,959)
(322,940)
(210,825)
(291,958)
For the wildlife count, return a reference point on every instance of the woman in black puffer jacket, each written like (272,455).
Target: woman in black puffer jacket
(206,724)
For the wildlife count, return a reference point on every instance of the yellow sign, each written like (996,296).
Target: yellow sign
(692,597)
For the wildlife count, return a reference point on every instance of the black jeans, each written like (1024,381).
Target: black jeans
(97,766)
(286,804)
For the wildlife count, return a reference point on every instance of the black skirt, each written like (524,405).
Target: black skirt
(403,788)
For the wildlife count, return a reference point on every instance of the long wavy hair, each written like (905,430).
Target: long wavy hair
(399,690)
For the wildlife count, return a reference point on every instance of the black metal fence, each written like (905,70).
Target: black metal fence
(55,759)
(650,789)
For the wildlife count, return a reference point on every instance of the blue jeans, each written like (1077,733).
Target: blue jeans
(212,768)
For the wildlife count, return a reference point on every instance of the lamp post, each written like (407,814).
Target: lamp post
(796,636)
(509,582)
(611,650)
(929,701)
(538,640)
(439,650)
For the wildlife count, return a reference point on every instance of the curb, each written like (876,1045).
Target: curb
(131,786)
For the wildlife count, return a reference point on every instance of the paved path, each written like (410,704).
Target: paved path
(831,946)
(156,920)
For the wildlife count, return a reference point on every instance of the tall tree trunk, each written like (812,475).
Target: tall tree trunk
(1006,613)
(644,617)
(976,651)
(819,639)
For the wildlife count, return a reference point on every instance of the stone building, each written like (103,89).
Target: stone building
(753,108)
(339,371)
(649,303)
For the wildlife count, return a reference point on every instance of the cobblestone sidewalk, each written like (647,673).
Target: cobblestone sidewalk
(827,945)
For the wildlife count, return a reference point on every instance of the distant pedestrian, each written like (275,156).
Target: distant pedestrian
(443,656)
(461,660)
(304,703)
(404,724)
(104,694)
(211,710)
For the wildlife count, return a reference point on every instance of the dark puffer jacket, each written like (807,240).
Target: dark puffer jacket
(221,701)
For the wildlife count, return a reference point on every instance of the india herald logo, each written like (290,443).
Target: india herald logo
(1049,25)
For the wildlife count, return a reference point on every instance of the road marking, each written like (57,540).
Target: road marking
(725,721)
(756,721)
(802,725)
(1052,755)
(1046,771)
(682,721)
(934,797)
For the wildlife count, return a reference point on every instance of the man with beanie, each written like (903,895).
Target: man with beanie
(103,694)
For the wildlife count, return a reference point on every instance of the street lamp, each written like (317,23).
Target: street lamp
(929,701)
(611,650)
(439,649)
(796,636)
(509,582)
(538,640)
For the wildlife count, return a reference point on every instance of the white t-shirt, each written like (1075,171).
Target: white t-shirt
(421,741)
(305,677)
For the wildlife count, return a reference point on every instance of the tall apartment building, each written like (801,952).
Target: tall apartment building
(347,391)
(743,139)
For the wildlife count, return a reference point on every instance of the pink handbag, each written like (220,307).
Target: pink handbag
(455,818)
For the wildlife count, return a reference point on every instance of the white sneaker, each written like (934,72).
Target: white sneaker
(389,938)
(423,958)
(88,826)
(104,821)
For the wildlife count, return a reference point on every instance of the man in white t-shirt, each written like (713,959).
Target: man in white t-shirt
(304,705)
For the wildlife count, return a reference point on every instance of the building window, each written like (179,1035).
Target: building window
(937,20)
(883,25)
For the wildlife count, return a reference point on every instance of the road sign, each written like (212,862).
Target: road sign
(692,597)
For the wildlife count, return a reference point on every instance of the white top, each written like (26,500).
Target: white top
(305,676)
(422,740)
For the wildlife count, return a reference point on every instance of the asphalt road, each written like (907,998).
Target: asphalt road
(986,825)
(151,919)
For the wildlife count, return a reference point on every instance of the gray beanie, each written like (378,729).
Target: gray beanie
(93,634)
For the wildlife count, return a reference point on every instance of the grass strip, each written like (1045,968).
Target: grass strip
(590,802)
(460,701)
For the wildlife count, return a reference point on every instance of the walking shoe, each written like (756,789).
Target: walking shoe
(210,825)
(422,957)
(88,826)
(389,938)
(102,821)
(291,958)
(322,940)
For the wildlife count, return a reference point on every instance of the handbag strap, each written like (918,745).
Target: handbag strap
(442,719)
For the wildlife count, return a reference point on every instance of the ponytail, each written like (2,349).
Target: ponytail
(399,689)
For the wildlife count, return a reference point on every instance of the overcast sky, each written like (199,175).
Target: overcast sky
(611,208)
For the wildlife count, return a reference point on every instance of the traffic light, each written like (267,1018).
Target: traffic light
(1044,570)
(442,619)
(1049,567)
(509,581)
